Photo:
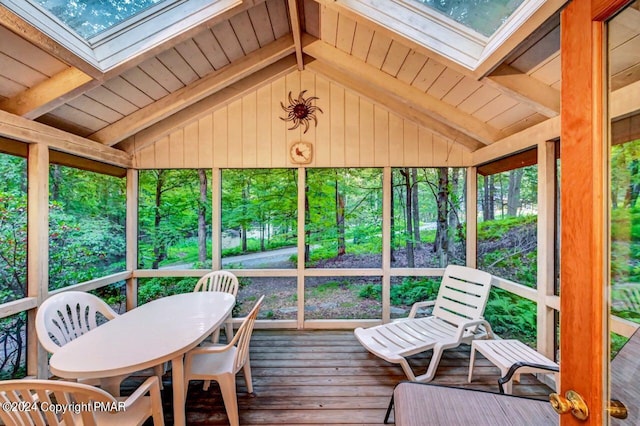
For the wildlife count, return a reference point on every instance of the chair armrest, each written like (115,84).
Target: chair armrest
(520,364)
(418,305)
(151,386)
(462,327)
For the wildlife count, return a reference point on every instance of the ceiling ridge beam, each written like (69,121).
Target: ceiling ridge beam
(429,105)
(294,17)
(223,97)
(194,92)
(526,89)
(21,129)
(49,94)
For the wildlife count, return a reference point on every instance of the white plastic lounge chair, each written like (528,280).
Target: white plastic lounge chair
(225,282)
(79,400)
(456,317)
(66,316)
(222,362)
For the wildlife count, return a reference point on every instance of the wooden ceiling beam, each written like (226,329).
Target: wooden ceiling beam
(194,92)
(435,108)
(229,94)
(294,17)
(51,93)
(526,89)
(21,129)
(382,97)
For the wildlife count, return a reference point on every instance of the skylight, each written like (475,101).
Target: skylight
(483,16)
(106,33)
(90,17)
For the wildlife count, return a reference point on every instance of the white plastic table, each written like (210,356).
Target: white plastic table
(159,331)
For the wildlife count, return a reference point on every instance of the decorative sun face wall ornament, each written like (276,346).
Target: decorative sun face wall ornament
(300,111)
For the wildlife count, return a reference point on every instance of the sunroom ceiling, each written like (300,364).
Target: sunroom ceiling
(245,46)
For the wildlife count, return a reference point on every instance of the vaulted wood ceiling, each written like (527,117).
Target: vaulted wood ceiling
(239,50)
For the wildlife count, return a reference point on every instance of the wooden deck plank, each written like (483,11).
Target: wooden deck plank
(326,377)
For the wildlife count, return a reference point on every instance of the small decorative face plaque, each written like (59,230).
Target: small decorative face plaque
(301,111)
(301,152)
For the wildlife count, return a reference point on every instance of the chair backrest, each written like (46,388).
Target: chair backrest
(462,295)
(65,316)
(243,337)
(34,402)
(223,281)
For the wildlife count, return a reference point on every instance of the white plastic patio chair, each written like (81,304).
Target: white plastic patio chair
(225,282)
(39,396)
(222,362)
(66,316)
(456,317)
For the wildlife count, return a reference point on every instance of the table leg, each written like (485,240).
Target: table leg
(471,362)
(177,379)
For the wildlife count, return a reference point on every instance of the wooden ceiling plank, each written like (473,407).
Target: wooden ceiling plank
(196,91)
(228,41)
(128,91)
(13,45)
(49,94)
(279,18)
(191,53)
(229,94)
(262,24)
(395,58)
(25,130)
(394,104)
(179,66)
(411,66)
(345,33)
(537,95)
(429,105)
(243,29)
(210,47)
(297,34)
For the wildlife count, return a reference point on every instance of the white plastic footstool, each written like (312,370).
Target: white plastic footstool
(504,353)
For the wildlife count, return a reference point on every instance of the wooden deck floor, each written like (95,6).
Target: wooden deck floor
(326,377)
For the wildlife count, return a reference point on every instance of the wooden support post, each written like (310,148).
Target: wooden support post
(132,237)
(216,219)
(302,185)
(472,217)
(386,243)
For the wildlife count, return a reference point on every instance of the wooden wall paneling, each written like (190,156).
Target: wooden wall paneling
(495,107)
(323,131)
(395,58)
(191,145)
(308,82)
(367,132)
(279,155)
(111,100)
(146,157)
(228,41)
(378,51)
(292,84)
(234,134)
(328,25)
(345,33)
(427,75)
(161,74)
(446,81)
(440,151)
(243,29)
(263,126)
(279,17)
(128,92)
(362,42)
(352,129)
(249,130)
(220,138)
(178,66)
(205,142)
(190,51)
(261,23)
(337,111)
(425,146)
(147,85)
(396,139)
(381,136)
(176,149)
(411,66)
(410,144)
(211,49)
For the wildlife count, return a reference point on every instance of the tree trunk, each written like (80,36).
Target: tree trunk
(159,248)
(409,218)
(54,187)
(513,193)
(488,206)
(202,222)
(441,245)
(415,206)
(340,220)
(454,220)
